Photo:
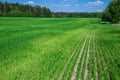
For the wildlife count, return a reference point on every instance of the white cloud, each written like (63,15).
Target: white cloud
(95,3)
(30,2)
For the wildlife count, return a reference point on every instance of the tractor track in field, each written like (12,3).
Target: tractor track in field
(87,61)
(61,75)
(46,77)
(78,60)
(68,62)
(82,65)
(96,63)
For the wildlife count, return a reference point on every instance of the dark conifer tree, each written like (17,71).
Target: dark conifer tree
(20,10)
(112,12)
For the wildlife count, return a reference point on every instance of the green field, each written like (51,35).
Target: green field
(58,49)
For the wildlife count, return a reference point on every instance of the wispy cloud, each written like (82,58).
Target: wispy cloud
(66,5)
(30,2)
(65,0)
(75,1)
(62,5)
(99,10)
(77,5)
(95,3)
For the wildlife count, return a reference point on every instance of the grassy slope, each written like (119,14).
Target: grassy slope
(33,48)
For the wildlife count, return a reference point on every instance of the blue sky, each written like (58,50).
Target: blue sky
(67,5)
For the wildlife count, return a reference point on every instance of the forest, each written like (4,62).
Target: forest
(23,10)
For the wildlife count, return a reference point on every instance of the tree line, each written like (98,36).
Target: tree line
(21,10)
(77,14)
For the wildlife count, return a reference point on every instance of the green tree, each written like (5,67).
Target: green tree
(14,13)
(112,12)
